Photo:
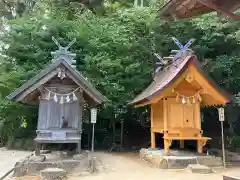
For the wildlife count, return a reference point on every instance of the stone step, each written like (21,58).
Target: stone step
(200,169)
(210,161)
(232,176)
(177,159)
(180,162)
(53,174)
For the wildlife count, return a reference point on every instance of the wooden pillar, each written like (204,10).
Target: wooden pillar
(121,140)
(181,144)
(44,146)
(201,143)
(165,147)
(153,140)
(165,123)
(199,146)
(37,148)
(167,144)
(79,147)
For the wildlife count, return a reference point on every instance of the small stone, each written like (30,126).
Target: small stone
(79,156)
(40,158)
(201,169)
(143,153)
(62,154)
(53,174)
(3,149)
(85,173)
(153,149)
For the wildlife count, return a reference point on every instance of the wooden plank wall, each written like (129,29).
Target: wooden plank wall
(51,112)
(157,116)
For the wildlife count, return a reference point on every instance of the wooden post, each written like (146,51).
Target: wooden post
(135,3)
(44,146)
(79,147)
(165,147)
(153,140)
(165,125)
(167,144)
(37,149)
(181,144)
(200,146)
(121,143)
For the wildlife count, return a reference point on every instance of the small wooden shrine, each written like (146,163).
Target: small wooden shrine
(181,9)
(180,87)
(61,92)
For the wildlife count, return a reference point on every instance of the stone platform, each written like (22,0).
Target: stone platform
(232,176)
(177,159)
(33,165)
(200,169)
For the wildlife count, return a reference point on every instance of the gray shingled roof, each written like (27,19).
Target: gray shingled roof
(167,76)
(87,87)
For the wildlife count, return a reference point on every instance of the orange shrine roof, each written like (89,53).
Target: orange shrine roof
(181,9)
(164,78)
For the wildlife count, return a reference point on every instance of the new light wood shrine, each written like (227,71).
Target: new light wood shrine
(60,91)
(175,97)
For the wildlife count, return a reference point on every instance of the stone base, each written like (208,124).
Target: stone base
(40,158)
(210,161)
(29,178)
(177,159)
(233,176)
(200,169)
(53,174)
(34,164)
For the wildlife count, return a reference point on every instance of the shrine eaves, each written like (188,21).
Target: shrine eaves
(182,9)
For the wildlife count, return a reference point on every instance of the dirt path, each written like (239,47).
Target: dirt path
(8,158)
(128,166)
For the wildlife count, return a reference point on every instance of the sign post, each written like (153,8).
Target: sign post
(93,121)
(221,119)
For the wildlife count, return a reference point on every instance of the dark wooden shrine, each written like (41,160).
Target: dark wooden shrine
(60,91)
(180,9)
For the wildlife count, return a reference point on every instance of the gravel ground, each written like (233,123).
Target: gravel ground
(8,158)
(119,166)
(128,166)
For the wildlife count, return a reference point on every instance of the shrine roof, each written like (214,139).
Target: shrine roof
(181,9)
(168,75)
(35,82)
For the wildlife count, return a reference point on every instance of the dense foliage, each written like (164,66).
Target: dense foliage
(114,47)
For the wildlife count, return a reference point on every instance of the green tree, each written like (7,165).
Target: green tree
(115,50)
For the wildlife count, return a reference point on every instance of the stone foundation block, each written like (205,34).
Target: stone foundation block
(201,169)
(53,174)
